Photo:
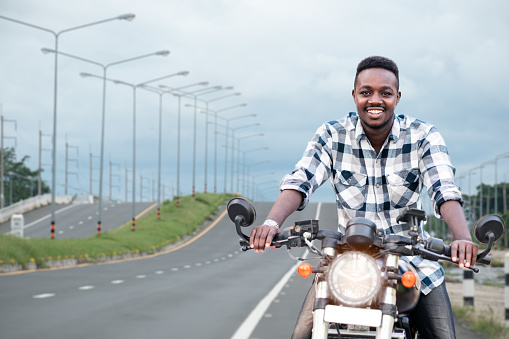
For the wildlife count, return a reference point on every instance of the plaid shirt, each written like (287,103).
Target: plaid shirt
(378,186)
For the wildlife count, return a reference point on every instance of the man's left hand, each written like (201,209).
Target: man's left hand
(464,252)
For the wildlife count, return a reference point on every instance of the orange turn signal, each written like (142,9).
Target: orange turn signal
(305,270)
(408,279)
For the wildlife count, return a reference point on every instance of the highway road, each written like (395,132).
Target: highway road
(77,220)
(203,288)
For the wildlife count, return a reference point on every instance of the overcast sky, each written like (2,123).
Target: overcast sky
(293,61)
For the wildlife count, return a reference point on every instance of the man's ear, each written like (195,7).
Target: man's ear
(398,98)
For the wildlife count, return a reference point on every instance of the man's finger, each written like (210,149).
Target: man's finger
(454,251)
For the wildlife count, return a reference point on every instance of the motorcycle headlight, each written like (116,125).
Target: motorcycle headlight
(354,279)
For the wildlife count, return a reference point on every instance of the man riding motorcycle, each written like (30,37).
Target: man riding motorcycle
(378,164)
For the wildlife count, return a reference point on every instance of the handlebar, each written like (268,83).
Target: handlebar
(433,249)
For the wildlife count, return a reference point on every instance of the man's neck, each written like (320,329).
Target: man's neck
(377,137)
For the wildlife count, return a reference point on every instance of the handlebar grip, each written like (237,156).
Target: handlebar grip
(447,251)
(279,237)
(485,261)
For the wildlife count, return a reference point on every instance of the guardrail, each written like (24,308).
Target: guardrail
(27,205)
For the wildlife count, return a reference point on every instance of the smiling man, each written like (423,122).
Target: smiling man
(378,164)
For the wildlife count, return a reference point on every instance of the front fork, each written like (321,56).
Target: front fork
(388,300)
(320,326)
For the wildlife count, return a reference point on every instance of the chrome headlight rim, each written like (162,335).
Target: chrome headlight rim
(344,277)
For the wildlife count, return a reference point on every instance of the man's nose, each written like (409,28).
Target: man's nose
(375,99)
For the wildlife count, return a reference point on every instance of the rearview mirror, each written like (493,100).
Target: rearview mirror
(489,226)
(240,210)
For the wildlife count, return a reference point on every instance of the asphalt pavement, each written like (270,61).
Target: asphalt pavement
(203,288)
(78,220)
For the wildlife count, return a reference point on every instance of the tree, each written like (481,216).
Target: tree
(19,181)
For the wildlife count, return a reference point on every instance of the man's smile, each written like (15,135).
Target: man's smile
(375,112)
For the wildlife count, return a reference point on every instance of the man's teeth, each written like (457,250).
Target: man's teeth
(375,111)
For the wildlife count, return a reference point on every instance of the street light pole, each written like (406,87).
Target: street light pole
(179,93)
(134,87)
(160,93)
(195,94)
(216,112)
(56,35)
(103,116)
(500,156)
(244,157)
(215,137)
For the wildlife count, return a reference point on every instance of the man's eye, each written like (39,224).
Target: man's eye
(386,94)
(364,92)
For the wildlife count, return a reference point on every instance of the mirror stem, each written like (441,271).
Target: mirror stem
(491,240)
(238,220)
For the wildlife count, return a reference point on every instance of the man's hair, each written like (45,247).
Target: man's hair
(378,62)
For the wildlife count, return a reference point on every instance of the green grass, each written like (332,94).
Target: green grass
(482,323)
(151,235)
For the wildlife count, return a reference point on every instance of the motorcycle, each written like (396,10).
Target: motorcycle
(363,288)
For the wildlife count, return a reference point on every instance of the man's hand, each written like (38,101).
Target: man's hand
(464,252)
(261,237)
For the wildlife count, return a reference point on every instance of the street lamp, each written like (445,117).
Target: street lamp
(145,86)
(195,94)
(246,179)
(472,213)
(500,156)
(487,199)
(215,134)
(206,110)
(178,92)
(160,93)
(255,195)
(127,17)
(238,153)
(104,78)
(244,155)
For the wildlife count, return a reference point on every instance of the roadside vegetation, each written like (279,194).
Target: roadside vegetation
(482,323)
(151,235)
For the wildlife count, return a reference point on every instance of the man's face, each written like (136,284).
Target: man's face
(376,96)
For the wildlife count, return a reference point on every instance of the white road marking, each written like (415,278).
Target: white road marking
(198,264)
(86,288)
(89,218)
(249,324)
(159,272)
(44,295)
(174,269)
(48,216)
(141,276)
(116,282)
(187,266)
(60,232)
(71,227)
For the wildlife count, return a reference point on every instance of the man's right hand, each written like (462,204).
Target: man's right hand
(261,237)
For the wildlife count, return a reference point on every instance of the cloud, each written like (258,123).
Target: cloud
(293,61)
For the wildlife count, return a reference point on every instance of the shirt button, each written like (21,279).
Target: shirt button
(377,185)
(380,209)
